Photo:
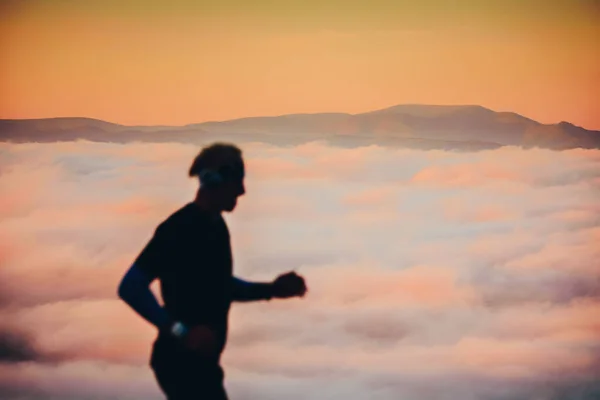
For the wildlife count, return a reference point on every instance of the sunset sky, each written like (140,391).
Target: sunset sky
(433,274)
(179,62)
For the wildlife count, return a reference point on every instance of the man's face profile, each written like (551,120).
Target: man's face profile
(228,193)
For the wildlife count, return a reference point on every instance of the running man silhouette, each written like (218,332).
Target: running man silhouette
(190,254)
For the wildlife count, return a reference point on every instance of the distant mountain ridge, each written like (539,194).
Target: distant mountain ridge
(468,127)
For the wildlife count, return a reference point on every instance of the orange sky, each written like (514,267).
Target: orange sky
(178,62)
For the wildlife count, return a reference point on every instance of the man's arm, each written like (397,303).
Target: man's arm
(134,289)
(284,286)
(149,265)
(244,291)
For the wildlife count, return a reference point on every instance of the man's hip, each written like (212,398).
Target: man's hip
(184,375)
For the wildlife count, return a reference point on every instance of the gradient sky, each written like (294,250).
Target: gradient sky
(178,62)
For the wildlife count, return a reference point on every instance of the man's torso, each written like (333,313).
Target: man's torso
(196,280)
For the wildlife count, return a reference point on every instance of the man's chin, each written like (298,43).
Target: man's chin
(230,208)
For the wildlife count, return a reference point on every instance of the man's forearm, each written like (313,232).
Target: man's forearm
(244,291)
(135,291)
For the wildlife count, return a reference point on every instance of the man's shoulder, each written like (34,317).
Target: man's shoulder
(184,218)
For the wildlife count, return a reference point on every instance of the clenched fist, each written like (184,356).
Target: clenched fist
(288,285)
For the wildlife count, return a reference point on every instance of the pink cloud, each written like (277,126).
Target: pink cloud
(570,324)
(531,167)
(279,205)
(399,271)
(370,286)
(101,330)
(280,169)
(518,359)
(80,379)
(458,210)
(465,175)
(377,196)
(22,186)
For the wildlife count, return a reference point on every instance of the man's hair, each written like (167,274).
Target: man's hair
(215,156)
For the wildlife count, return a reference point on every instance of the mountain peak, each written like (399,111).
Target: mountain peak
(430,110)
(565,124)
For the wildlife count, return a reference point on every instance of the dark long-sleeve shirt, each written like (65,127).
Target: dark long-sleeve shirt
(190,253)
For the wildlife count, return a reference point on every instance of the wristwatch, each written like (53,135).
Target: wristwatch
(178,329)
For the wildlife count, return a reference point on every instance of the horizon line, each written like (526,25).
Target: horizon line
(292,114)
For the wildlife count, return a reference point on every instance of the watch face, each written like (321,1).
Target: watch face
(178,329)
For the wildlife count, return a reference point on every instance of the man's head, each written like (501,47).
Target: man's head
(220,169)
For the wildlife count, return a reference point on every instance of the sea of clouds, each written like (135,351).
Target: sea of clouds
(432,274)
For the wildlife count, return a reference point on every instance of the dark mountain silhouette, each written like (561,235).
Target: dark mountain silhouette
(414,126)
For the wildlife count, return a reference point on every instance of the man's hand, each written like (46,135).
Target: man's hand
(289,285)
(201,339)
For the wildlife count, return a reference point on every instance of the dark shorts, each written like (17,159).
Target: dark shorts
(183,376)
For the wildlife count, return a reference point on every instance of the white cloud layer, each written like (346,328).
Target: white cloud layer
(431,274)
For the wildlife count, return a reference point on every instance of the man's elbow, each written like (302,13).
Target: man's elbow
(132,284)
(126,286)
(122,288)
